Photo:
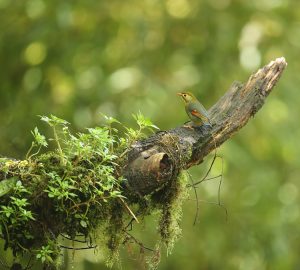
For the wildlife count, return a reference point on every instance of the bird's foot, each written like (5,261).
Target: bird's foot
(189,127)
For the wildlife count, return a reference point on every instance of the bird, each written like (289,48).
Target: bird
(195,110)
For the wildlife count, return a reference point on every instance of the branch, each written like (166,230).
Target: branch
(70,193)
(154,162)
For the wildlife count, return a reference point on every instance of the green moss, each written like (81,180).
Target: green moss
(169,227)
(76,190)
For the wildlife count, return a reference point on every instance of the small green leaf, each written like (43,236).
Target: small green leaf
(83,223)
(39,138)
(109,120)
(53,120)
(143,122)
(7,185)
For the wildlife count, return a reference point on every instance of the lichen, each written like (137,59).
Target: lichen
(169,227)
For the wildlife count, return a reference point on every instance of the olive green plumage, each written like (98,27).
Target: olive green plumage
(194,109)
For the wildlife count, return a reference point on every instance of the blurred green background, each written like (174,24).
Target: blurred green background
(75,59)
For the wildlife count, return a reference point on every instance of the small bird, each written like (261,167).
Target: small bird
(195,109)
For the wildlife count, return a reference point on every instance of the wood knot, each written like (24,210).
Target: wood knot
(149,171)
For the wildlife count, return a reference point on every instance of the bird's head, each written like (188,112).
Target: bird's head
(187,96)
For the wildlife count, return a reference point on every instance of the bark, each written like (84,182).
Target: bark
(154,162)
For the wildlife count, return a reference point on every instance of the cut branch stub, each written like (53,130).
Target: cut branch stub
(157,160)
(151,170)
(154,164)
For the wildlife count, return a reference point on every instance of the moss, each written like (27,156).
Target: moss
(78,189)
(169,227)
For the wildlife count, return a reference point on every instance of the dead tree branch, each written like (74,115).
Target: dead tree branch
(45,197)
(154,162)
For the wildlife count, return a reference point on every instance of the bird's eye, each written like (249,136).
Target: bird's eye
(184,95)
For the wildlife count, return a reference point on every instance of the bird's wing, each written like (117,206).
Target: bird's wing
(199,115)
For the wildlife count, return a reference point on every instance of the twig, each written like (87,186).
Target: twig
(75,240)
(219,190)
(138,242)
(196,197)
(28,266)
(129,210)
(129,224)
(73,248)
(216,204)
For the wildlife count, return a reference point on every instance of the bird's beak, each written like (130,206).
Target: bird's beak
(179,94)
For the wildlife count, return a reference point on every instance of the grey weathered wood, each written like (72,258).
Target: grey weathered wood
(154,162)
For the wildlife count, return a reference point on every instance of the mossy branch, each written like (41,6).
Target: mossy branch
(100,179)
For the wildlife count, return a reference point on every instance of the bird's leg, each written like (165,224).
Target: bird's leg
(189,127)
(204,126)
(185,125)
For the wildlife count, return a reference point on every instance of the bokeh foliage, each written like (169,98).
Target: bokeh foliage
(77,59)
